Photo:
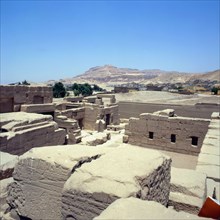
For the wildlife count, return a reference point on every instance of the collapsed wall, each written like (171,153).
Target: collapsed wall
(94,112)
(79,181)
(21,131)
(167,132)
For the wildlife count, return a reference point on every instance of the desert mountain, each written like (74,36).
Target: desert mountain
(212,76)
(111,75)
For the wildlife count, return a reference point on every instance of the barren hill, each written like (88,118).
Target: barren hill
(110,75)
(212,76)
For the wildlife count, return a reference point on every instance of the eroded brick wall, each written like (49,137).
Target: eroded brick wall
(177,134)
(12,97)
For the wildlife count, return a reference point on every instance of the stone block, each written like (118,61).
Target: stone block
(28,130)
(38,108)
(215,115)
(166,112)
(189,183)
(125,139)
(123,172)
(7,164)
(95,139)
(40,175)
(185,202)
(133,208)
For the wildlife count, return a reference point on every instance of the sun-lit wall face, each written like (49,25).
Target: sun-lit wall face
(177,134)
(12,97)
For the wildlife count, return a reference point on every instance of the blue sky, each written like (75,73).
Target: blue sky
(42,40)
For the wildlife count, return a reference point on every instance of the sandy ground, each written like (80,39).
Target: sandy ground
(166,97)
(179,160)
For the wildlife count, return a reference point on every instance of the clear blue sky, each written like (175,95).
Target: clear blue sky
(42,40)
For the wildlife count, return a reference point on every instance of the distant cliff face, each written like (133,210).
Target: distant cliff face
(110,74)
(113,75)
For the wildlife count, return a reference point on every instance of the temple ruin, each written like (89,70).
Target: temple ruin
(76,158)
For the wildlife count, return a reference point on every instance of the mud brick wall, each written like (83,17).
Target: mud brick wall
(78,113)
(91,114)
(155,131)
(200,110)
(94,112)
(21,131)
(12,97)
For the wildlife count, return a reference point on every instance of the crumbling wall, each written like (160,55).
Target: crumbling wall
(208,160)
(22,131)
(17,95)
(95,112)
(177,134)
(72,128)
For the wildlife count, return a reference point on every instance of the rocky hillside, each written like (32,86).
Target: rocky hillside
(212,76)
(111,75)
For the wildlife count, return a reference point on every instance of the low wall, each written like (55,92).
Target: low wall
(134,109)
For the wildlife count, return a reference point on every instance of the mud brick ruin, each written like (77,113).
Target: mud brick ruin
(77,159)
(165,131)
(13,97)
(21,131)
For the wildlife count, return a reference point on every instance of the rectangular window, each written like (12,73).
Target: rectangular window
(194,140)
(173,138)
(151,135)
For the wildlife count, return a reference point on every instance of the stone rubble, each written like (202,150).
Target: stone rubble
(187,191)
(133,208)
(7,164)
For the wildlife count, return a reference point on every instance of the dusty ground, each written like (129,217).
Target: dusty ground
(179,160)
(166,97)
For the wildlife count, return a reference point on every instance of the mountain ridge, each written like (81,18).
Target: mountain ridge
(109,74)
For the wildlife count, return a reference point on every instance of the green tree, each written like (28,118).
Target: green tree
(75,86)
(86,89)
(97,88)
(76,92)
(215,90)
(25,83)
(59,90)
(83,89)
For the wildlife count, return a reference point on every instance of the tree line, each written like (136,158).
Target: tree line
(60,91)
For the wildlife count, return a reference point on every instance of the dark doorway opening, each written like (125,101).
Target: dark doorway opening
(195,141)
(80,123)
(173,138)
(151,135)
(107,119)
